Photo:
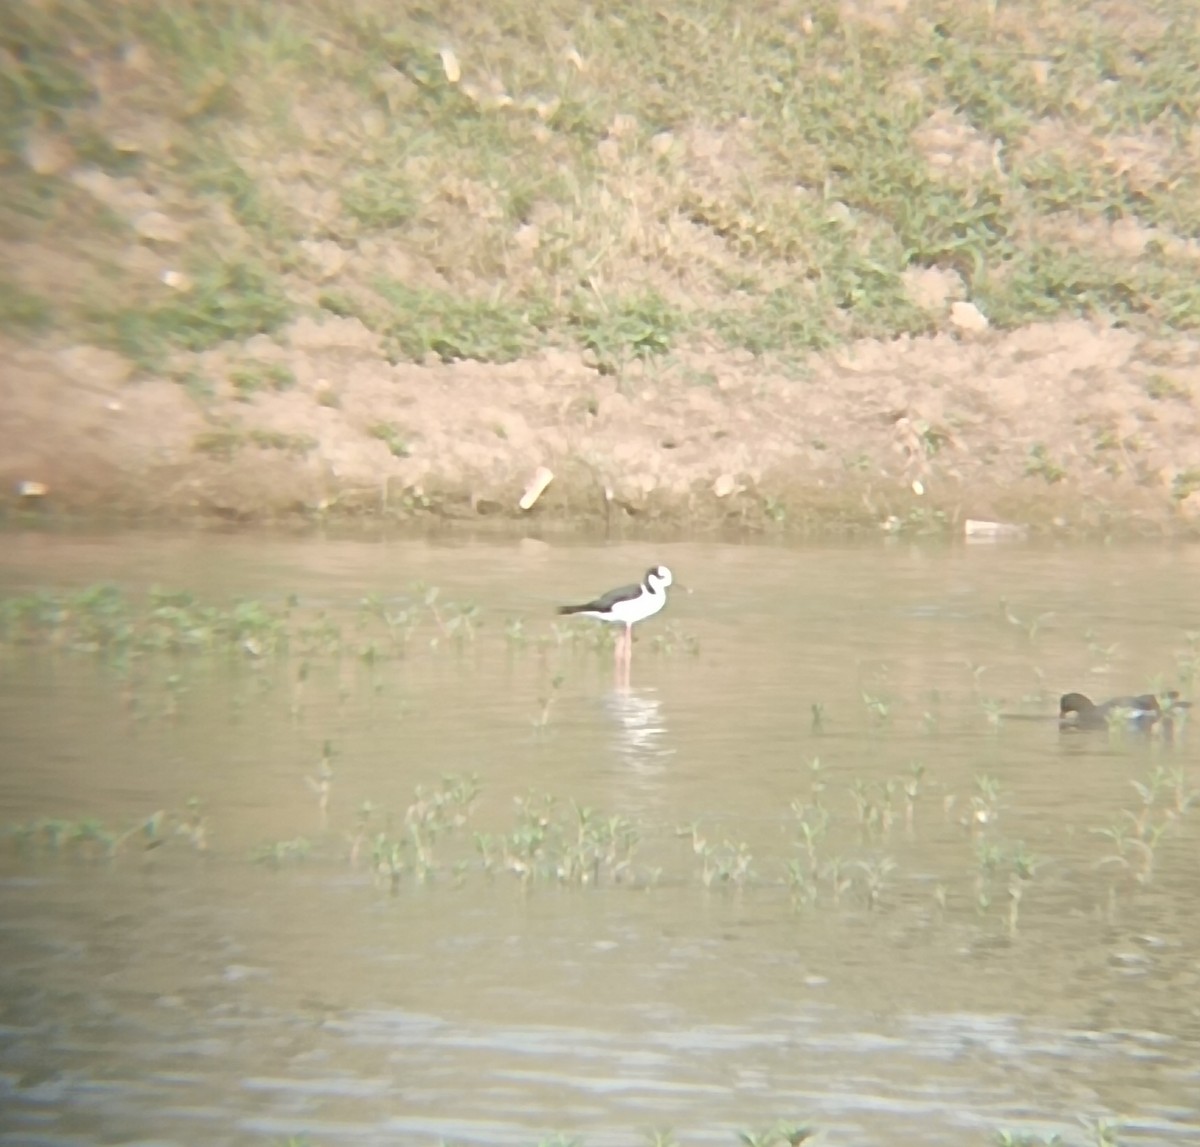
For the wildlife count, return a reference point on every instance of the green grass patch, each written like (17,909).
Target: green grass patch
(785,177)
(199,386)
(380,200)
(1187,483)
(295,444)
(252,378)
(229,299)
(392,436)
(22,311)
(785,319)
(1041,465)
(441,323)
(38,75)
(225,442)
(221,443)
(1046,281)
(26,198)
(223,179)
(633,327)
(341,304)
(1161,387)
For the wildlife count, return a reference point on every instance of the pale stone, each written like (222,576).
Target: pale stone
(968,317)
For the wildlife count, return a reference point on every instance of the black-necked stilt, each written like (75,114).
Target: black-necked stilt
(1078,711)
(627,606)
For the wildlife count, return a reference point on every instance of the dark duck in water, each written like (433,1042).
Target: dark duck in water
(1077,712)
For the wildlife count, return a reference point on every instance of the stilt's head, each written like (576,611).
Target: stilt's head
(658,578)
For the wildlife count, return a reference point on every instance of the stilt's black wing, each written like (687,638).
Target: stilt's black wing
(605,601)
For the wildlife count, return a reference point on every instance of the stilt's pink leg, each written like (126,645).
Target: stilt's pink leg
(623,656)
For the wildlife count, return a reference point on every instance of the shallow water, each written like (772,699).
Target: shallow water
(182,995)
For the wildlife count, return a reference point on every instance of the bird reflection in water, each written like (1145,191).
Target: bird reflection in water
(640,730)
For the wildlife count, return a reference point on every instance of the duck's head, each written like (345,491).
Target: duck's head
(1074,705)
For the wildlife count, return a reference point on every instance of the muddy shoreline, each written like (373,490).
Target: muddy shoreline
(1067,427)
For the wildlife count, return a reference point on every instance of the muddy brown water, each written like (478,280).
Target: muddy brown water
(180,997)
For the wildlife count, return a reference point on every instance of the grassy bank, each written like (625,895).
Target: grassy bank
(625,179)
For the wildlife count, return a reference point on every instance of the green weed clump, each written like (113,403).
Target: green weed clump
(279,852)
(1005,1138)
(104,620)
(108,622)
(1164,798)
(727,862)
(413,849)
(562,843)
(91,839)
